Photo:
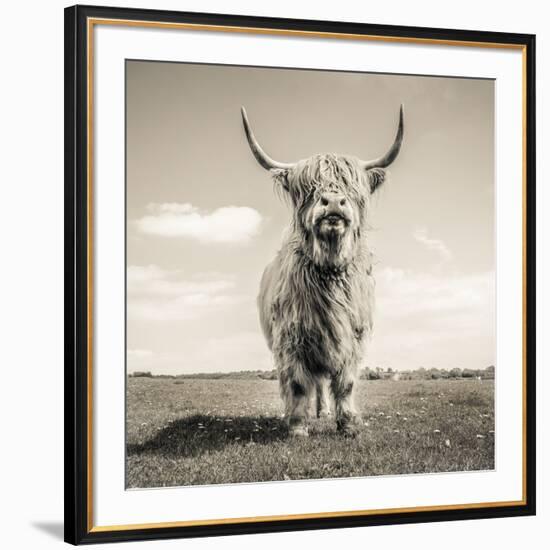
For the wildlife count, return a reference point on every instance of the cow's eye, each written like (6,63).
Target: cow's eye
(324,201)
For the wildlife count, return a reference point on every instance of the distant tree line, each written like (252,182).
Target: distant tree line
(235,375)
(368,373)
(422,373)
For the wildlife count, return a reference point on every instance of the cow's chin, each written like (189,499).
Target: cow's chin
(333,245)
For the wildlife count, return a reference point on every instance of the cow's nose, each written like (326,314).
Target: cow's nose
(333,201)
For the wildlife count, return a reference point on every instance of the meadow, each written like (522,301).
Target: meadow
(197,432)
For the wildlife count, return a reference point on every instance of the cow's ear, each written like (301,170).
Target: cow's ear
(281,177)
(376,177)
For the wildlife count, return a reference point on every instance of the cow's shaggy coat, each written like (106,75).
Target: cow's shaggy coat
(316,297)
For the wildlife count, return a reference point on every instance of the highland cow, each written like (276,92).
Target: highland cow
(317,295)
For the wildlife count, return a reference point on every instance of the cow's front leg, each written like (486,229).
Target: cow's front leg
(343,387)
(296,391)
(322,398)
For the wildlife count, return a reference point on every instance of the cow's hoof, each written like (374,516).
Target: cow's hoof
(349,427)
(324,414)
(299,431)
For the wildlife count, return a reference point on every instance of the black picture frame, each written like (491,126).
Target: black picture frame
(78,525)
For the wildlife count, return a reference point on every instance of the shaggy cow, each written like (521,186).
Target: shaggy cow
(317,295)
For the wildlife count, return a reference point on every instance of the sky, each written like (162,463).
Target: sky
(203,219)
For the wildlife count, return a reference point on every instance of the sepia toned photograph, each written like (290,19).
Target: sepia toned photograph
(310,274)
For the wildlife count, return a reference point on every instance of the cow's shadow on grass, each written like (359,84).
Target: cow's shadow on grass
(198,434)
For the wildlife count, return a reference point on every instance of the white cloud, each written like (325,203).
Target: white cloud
(229,224)
(428,319)
(436,245)
(403,292)
(246,350)
(152,280)
(155,294)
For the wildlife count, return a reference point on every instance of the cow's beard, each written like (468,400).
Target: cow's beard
(333,249)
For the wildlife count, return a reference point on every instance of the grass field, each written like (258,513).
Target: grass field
(195,432)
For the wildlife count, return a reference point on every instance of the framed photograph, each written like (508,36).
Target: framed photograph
(300,274)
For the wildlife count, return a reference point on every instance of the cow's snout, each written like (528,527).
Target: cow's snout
(334,203)
(332,214)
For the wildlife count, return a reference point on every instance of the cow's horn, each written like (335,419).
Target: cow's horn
(264,159)
(391,155)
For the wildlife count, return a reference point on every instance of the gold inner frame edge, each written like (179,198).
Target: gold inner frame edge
(91,22)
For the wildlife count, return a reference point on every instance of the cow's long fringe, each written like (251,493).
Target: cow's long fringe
(328,172)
